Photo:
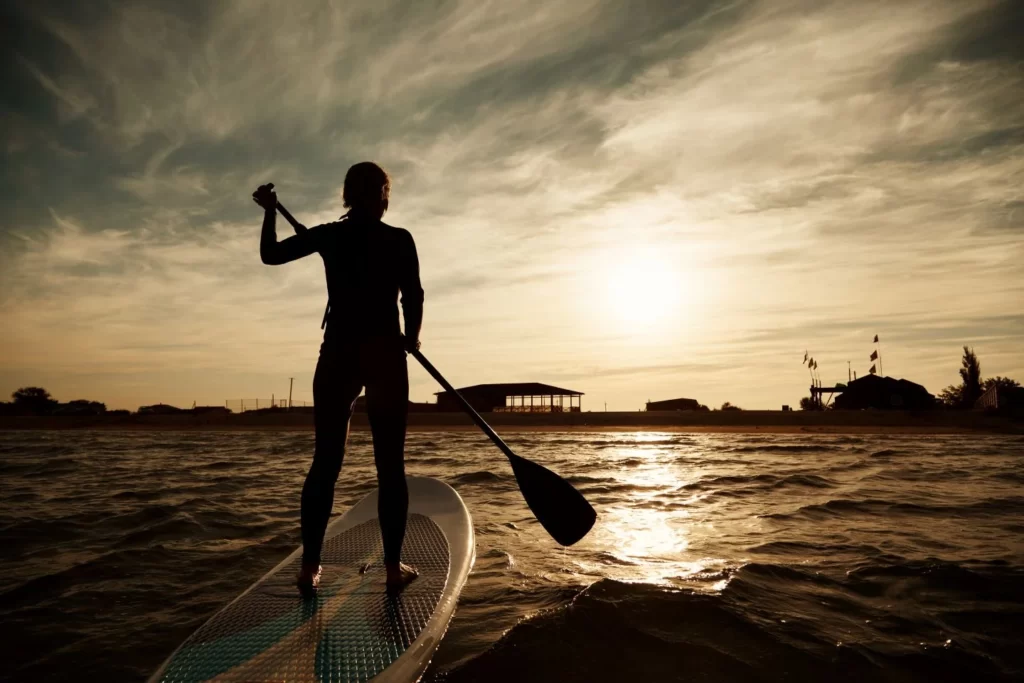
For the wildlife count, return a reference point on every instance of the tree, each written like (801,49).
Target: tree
(1001,382)
(729,406)
(808,403)
(970,373)
(952,396)
(33,400)
(964,395)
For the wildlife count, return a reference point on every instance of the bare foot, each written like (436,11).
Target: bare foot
(308,579)
(400,575)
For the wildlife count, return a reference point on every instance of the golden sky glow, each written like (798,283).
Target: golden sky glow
(642,202)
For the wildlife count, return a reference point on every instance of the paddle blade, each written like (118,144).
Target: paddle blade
(560,508)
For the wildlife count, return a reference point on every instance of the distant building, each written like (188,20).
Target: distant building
(80,407)
(414,407)
(883,393)
(159,409)
(211,410)
(525,397)
(676,404)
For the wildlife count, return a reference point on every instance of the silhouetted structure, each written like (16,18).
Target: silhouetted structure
(160,409)
(80,407)
(414,407)
(675,404)
(882,393)
(1002,399)
(525,397)
(211,410)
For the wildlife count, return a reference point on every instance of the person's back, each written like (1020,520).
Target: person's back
(368,264)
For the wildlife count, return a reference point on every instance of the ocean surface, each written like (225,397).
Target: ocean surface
(716,557)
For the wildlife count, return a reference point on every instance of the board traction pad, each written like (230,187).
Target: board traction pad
(351,631)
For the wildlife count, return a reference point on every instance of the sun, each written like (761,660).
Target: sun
(644,288)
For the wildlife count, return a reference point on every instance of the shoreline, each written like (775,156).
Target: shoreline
(767,422)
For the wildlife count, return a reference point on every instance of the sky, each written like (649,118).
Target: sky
(641,200)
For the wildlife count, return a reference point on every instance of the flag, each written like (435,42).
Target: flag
(815,365)
(876,338)
(872,370)
(805,356)
(874,355)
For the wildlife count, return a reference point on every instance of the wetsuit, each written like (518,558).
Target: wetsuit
(367,263)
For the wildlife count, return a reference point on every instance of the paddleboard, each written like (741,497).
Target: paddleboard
(353,630)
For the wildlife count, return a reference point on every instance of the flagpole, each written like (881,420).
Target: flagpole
(881,371)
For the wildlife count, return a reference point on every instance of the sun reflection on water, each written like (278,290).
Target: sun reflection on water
(647,533)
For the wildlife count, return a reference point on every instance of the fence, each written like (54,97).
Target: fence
(241,405)
(538,408)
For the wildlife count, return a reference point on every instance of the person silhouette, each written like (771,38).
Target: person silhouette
(368,264)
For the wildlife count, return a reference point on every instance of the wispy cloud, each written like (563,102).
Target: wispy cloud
(803,175)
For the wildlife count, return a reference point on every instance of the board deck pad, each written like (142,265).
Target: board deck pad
(351,631)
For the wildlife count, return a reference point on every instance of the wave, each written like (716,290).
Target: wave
(479,477)
(763,481)
(103,567)
(619,487)
(218,466)
(875,507)
(785,448)
(583,479)
(808,548)
(764,626)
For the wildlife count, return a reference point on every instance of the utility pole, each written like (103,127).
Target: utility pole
(291,383)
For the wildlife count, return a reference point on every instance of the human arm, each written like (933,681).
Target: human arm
(412,292)
(272,252)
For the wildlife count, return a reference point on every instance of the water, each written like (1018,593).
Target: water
(721,557)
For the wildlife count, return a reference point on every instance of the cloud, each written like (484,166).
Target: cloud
(805,174)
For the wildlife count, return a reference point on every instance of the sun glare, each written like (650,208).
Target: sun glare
(644,288)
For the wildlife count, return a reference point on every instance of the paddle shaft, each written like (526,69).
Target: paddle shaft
(299,227)
(486,428)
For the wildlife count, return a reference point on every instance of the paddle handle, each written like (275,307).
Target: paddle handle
(486,428)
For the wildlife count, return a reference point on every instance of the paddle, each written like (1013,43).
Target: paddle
(557,505)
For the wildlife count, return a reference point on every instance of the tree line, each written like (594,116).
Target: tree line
(38,401)
(964,395)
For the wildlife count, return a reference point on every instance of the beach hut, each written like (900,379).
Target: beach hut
(675,404)
(521,397)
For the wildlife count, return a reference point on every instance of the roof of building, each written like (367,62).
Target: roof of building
(519,389)
(673,400)
(879,380)
(674,404)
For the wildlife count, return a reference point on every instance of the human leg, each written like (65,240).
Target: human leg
(335,388)
(387,403)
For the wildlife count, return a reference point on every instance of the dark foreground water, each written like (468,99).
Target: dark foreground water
(715,557)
